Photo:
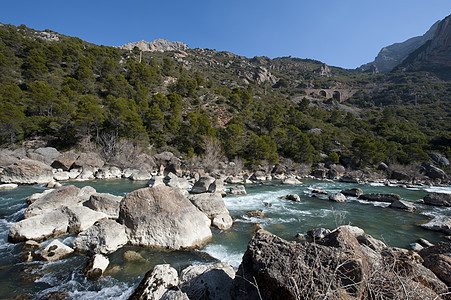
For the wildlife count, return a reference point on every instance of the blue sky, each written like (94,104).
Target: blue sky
(345,33)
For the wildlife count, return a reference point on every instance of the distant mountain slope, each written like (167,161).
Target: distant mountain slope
(435,55)
(159,45)
(391,56)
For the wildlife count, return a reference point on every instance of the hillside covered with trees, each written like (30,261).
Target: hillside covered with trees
(67,91)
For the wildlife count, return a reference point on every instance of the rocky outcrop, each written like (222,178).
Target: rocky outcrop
(438,199)
(103,237)
(338,267)
(27,171)
(96,266)
(438,259)
(380,197)
(162,217)
(160,45)
(108,172)
(434,55)
(54,251)
(105,203)
(391,56)
(88,160)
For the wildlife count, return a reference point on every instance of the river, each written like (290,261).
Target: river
(282,217)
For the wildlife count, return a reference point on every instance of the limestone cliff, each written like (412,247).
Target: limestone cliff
(159,45)
(391,56)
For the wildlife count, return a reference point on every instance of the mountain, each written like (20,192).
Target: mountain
(433,56)
(168,97)
(391,56)
(159,45)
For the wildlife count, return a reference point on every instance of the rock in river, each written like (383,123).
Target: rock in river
(162,217)
(27,171)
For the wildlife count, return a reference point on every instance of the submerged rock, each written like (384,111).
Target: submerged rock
(380,197)
(162,217)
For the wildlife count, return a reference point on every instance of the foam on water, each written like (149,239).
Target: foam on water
(438,189)
(224,254)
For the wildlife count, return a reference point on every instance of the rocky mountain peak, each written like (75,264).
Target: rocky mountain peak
(391,56)
(160,45)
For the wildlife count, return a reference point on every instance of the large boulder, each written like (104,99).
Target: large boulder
(44,154)
(103,237)
(433,171)
(140,175)
(380,197)
(438,199)
(442,224)
(338,268)
(156,283)
(162,217)
(438,259)
(65,160)
(68,195)
(49,225)
(202,185)
(105,203)
(8,186)
(27,171)
(89,160)
(212,205)
(439,159)
(213,280)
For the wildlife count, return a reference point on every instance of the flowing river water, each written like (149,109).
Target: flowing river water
(282,217)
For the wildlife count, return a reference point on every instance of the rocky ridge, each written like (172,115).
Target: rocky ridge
(160,45)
